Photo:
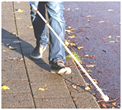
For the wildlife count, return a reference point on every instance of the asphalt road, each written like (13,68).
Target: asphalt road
(97,28)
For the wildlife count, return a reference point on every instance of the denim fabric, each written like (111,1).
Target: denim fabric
(57,22)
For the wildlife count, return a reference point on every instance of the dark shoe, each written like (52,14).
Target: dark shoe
(60,68)
(37,52)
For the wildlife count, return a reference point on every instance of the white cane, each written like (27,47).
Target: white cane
(105,97)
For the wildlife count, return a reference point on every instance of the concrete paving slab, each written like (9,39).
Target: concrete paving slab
(52,91)
(46,78)
(55,103)
(13,75)
(16,86)
(17,100)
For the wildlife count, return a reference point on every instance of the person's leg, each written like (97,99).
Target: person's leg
(56,49)
(40,30)
(57,22)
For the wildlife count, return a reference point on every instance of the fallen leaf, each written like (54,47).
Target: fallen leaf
(87,88)
(47,99)
(30,27)
(103,105)
(86,55)
(115,41)
(89,21)
(69,27)
(21,59)
(20,11)
(89,71)
(90,65)
(72,44)
(80,47)
(114,104)
(73,36)
(68,9)
(12,48)
(67,30)
(109,36)
(42,89)
(74,86)
(66,43)
(74,98)
(5,87)
(4,50)
(89,16)
(104,40)
(110,10)
(101,21)
(95,81)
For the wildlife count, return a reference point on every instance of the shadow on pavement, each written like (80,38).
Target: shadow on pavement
(8,38)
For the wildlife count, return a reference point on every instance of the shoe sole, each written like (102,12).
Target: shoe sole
(35,57)
(63,71)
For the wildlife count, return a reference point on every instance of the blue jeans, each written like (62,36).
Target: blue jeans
(57,22)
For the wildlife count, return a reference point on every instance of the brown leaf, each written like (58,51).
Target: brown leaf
(114,104)
(104,40)
(89,21)
(103,105)
(74,98)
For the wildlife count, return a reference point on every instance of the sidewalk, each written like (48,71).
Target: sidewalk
(30,82)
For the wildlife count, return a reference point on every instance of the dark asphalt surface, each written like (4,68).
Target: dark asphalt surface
(97,28)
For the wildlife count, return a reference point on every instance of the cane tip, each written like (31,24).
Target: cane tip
(106,98)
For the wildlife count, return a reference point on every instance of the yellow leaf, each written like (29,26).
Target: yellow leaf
(21,59)
(95,81)
(74,86)
(109,36)
(12,48)
(20,11)
(30,27)
(89,71)
(80,47)
(5,87)
(87,88)
(72,44)
(73,36)
(66,43)
(68,9)
(4,50)
(42,89)
(67,30)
